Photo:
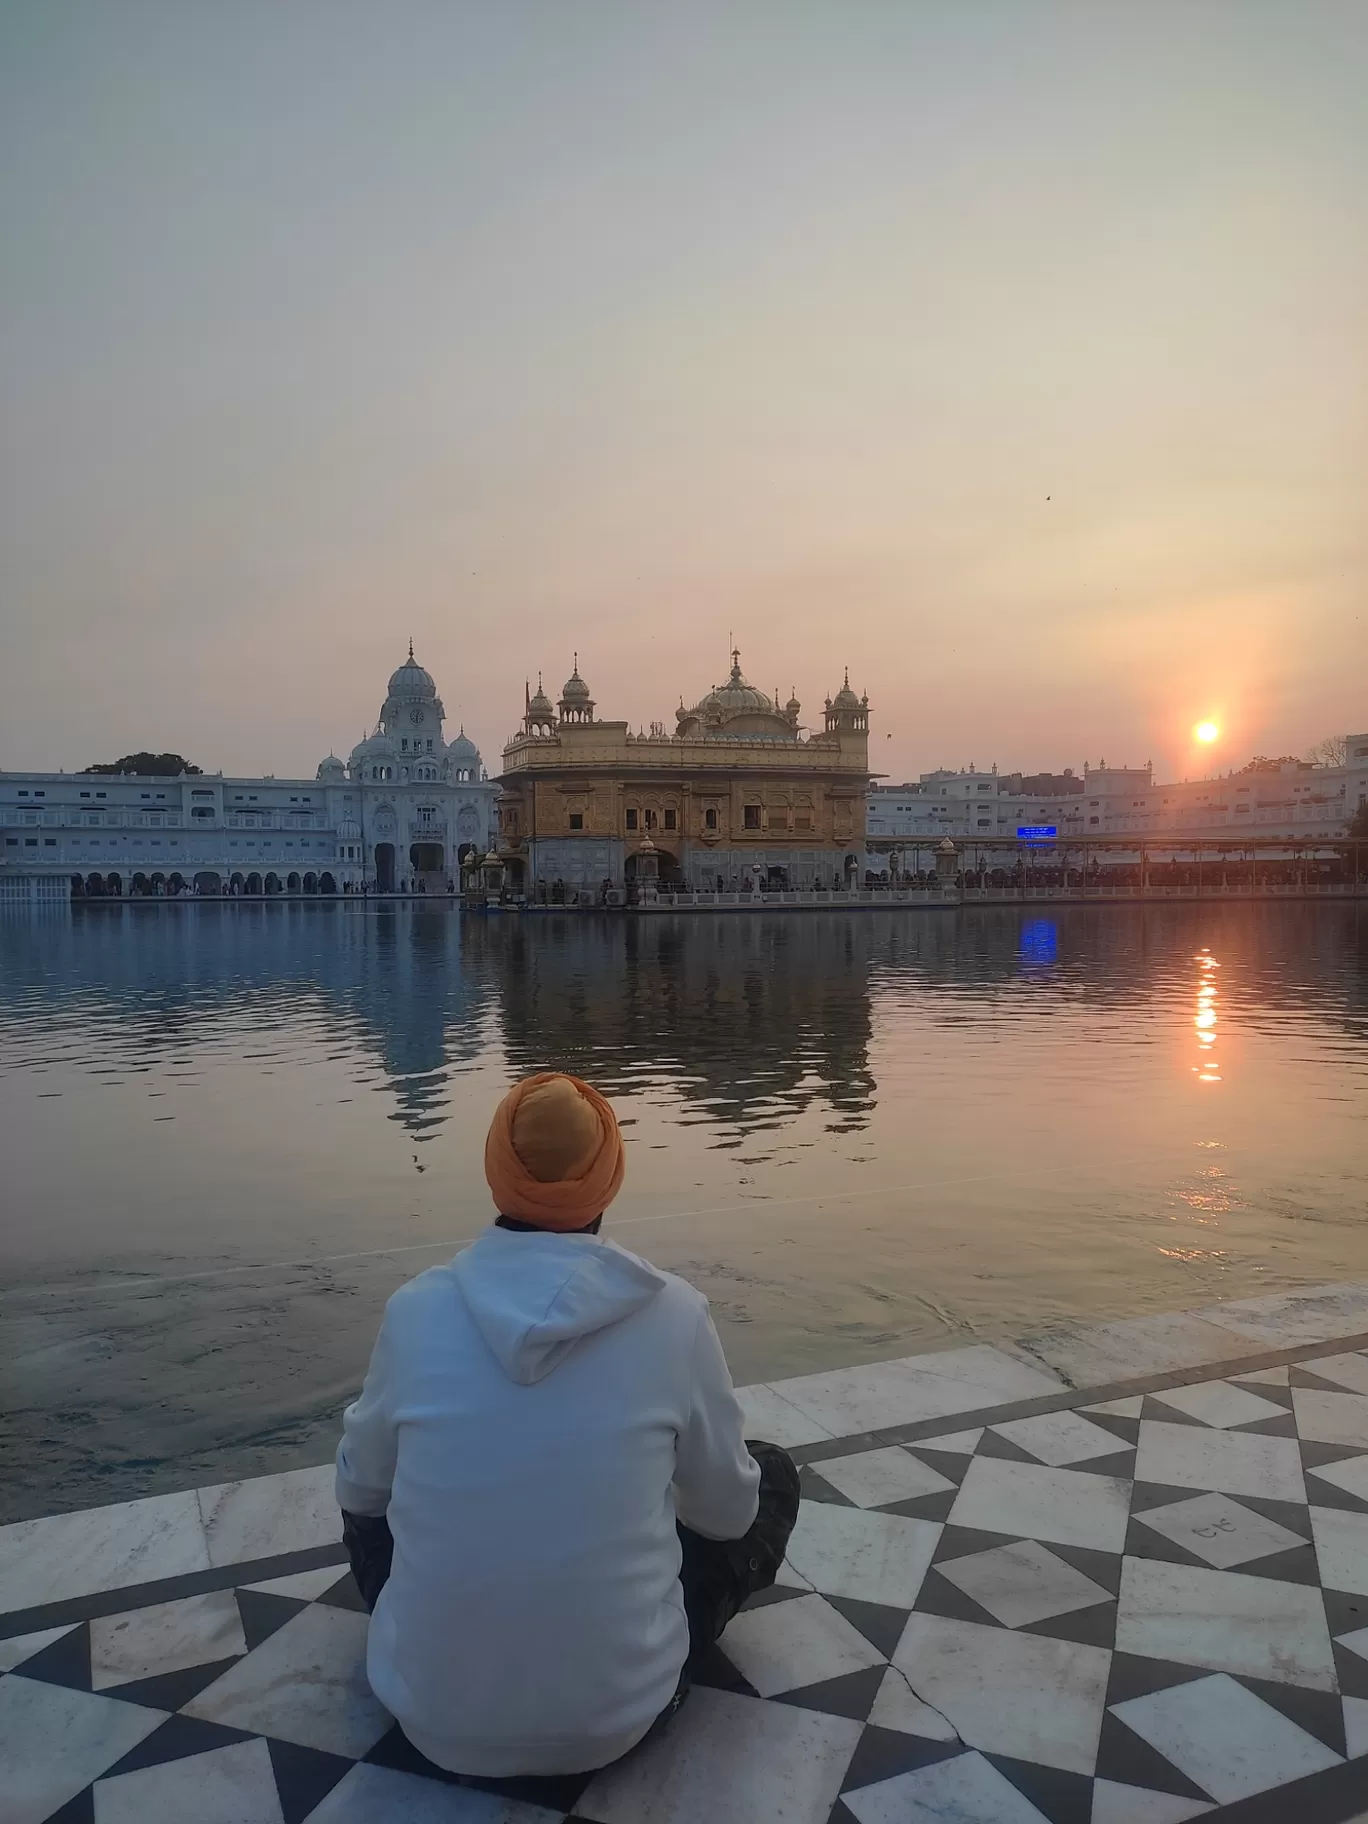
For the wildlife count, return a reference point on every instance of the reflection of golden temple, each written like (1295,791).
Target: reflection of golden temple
(748,1022)
(737,796)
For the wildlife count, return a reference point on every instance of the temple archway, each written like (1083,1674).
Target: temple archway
(208,881)
(293,884)
(311,883)
(326,884)
(384,867)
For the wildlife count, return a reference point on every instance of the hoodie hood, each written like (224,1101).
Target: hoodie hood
(534,1298)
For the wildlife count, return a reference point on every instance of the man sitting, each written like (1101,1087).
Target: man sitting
(549,1445)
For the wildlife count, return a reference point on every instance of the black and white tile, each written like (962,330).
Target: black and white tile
(1028,1605)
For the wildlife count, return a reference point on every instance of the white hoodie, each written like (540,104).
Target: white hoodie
(534,1415)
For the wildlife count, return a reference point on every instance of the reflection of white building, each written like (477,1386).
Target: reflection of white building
(397,815)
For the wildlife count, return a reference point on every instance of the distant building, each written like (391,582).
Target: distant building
(737,792)
(398,814)
(1277,800)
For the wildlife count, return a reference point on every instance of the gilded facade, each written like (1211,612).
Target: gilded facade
(739,794)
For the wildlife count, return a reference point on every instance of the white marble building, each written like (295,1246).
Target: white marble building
(1294,801)
(396,815)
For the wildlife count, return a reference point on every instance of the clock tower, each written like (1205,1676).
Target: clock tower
(412,713)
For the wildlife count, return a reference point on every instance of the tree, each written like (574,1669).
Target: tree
(148,766)
(1264,763)
(1333,750)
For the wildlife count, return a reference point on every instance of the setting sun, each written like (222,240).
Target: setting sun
(1206,731)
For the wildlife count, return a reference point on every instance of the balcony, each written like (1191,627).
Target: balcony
(435,831)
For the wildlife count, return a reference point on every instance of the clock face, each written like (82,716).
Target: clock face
(415,715)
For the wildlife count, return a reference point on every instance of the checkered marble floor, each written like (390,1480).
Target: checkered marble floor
(1010,1599)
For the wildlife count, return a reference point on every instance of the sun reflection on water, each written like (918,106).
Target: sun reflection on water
(1207,1069)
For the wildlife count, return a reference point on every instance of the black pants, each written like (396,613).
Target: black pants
(718,1575)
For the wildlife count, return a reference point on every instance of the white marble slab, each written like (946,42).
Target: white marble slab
(303,1586)
(1234,1462)
(1356,1731)
(731,1760)
(383,1795)
(958,1443)
(165,1637)
(769,1416)
(100,1548)
(898,1707)
(1331,1418)
(270,1515)
(1021,1583)
(1063,1506)
(54,1742)
(1220,1403)
(1263,1377)
(1094,1355)
(905,1392)
(1227,1741)
(876,1478)
(1114,1803)
(784,1645)
(1284,1319)
(1356,1641)
(1016,1694)
(870,1557)
(1129,1408)
(1349,1371)
(965,1789)
(1341,1549)
(19,1647)
(1218,1529)
(1060,1438)
(306,1683)
(1227,1622)
(1350,1474)
(233,1785)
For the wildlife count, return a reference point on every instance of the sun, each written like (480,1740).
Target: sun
(1206,731)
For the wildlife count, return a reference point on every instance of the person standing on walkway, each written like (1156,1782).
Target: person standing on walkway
(547,1498)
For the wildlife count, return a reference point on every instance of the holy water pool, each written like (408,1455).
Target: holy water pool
(229,1131)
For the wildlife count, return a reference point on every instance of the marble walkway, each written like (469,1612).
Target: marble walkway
(1115,1575)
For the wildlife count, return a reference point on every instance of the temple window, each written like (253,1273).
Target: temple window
(671,820)
(631,820)
(577,820)
(750,816)
(710,820)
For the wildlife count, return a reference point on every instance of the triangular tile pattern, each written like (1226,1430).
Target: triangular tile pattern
(1004,1625)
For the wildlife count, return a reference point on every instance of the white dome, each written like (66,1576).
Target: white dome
(463,750)
(378,746)
(331,769)
(349,830)
(411,682)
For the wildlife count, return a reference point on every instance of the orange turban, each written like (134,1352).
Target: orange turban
(554,1155)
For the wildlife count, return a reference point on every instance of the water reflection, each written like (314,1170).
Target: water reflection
(751,1021)
(1207,1069)
(229,1130)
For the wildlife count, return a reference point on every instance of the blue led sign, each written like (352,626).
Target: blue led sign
(1037,832)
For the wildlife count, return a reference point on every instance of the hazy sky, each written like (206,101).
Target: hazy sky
(1015,354)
